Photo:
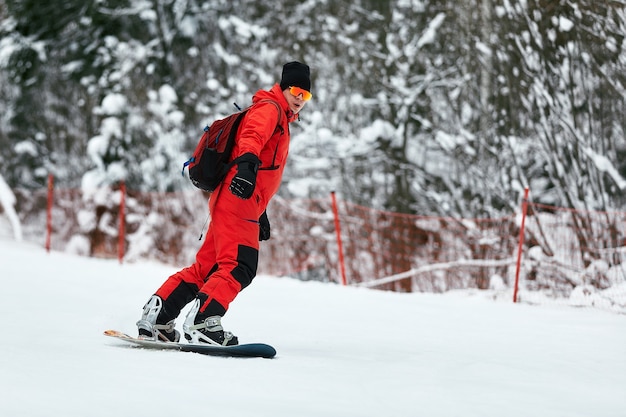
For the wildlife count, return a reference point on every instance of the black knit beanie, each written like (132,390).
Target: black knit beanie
(296,74)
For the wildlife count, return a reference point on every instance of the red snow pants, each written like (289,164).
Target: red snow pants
(226,262)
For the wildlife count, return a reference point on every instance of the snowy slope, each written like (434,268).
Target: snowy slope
(341,351)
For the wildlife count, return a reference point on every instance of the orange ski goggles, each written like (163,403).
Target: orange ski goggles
(296,91)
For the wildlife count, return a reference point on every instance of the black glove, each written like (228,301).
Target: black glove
(264,227)
(245,180)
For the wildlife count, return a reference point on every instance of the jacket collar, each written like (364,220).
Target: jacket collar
(276,94)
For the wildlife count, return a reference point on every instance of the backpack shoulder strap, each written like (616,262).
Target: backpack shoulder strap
(278,125)
(280,112)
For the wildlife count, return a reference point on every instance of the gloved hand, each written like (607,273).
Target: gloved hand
(244,181)
(264,227)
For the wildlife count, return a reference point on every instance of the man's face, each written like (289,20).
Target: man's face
(296,102)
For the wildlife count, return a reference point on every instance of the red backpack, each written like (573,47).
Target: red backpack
(211,159)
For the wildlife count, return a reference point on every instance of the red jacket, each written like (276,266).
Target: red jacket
(265,133)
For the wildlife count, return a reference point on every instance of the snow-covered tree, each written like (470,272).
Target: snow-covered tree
(425,106)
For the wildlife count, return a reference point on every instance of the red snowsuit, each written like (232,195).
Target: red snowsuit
(227,260)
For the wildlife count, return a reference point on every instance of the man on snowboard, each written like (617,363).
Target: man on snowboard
(227,260)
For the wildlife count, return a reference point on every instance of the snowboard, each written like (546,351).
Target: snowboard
(247,350)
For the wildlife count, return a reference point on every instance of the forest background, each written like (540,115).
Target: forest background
(434,107)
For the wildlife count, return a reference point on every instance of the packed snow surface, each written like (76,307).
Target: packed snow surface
(342,351)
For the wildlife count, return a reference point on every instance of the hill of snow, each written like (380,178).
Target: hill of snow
(342,351)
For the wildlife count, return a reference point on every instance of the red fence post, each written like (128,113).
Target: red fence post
(122,225)
(49,211)
(339,243)
(521,243)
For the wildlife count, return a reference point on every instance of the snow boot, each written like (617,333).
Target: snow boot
(150,327)
(206,330)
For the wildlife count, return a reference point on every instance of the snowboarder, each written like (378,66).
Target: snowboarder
(227,261)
